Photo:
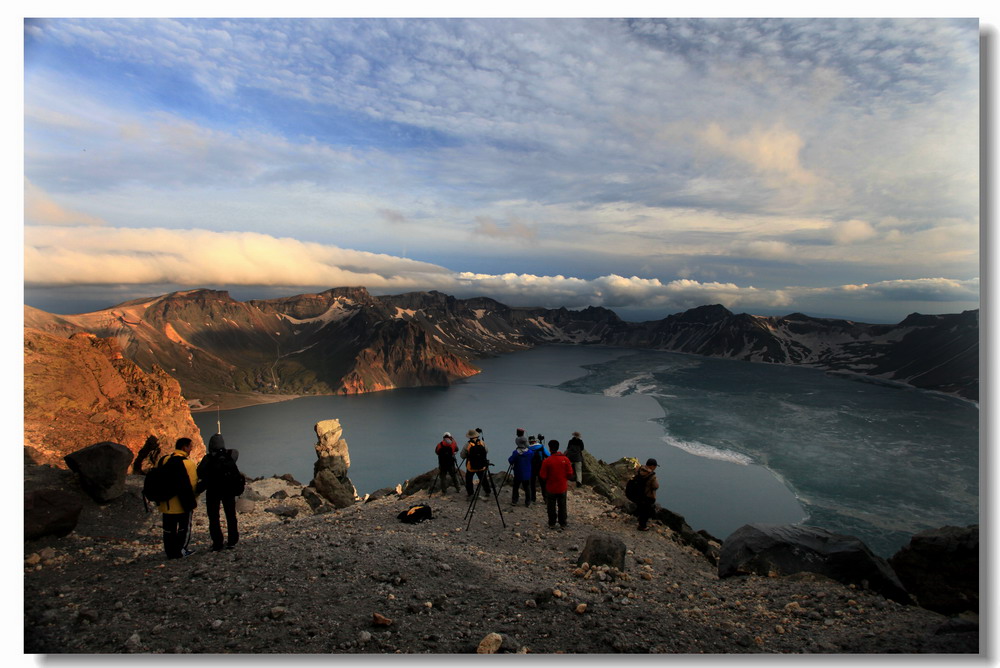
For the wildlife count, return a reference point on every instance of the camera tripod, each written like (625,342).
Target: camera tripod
(475,496)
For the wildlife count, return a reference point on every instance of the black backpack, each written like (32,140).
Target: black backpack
(536,460)
(415,514)
(162,483)
(635,489)
(221,473)
(477,456)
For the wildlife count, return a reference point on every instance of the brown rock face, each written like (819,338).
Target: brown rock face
(81,390)
(332,462)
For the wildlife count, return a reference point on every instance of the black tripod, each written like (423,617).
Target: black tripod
(475,497)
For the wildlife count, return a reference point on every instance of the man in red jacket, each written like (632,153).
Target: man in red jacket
(555,472)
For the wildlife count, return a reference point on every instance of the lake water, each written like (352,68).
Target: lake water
(736,442)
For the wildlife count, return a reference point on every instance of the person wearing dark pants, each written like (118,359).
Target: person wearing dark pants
(520,463)
(475,454)
(555,474)
(574,450)
(645,505)
(177,510)
(220,477)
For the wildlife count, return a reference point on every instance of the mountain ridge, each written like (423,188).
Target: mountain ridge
(345,340)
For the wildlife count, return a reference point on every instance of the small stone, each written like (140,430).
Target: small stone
(490,644)
(364,637)
(216,623)
(779,629)
(380,620)
(133,642)
(647,576)
(557,593)
(32,559)
(530,603)
(277,612)
(582,608)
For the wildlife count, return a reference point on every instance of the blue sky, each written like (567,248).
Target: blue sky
(829,166)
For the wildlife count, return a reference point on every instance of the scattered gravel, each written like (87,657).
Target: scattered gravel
(359,581)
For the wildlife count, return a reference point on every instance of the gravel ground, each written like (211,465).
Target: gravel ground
(359,581)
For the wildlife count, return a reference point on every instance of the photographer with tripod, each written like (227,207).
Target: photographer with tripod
(476,459)
(447,466)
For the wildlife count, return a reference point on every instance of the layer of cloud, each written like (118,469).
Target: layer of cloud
(64,256)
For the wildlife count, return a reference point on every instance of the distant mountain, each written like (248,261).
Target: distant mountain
(346,341)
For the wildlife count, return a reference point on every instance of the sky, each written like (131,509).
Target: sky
(825,166)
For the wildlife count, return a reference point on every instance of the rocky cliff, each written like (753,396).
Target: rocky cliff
(81,390)
(347,341)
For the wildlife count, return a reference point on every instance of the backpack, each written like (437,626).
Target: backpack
(635,489)
(477,456)
(536,460)
(415,514)
(223,474)
(161,483)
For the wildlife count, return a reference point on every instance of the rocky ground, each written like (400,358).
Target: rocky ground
(359,581)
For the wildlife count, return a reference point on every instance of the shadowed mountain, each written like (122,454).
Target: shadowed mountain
(346,341)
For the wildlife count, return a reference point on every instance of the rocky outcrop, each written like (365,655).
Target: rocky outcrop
(81,390)
(50,512)
(940,568)
(102,468)
(765,549)
(332,463)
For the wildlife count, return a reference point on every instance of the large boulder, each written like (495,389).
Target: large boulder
(102,468)
(50,512)
(603,550)
(770,549)
(940,568)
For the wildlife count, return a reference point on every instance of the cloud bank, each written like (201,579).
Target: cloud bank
(104,256)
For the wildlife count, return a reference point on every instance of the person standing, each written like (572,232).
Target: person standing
(647,501)
(446,451)
(476,459)
(222,481)
(538,455)
(520,462)
(555,473)
(177,509)
(574,450)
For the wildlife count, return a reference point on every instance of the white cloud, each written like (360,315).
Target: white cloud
(108,256)
(852,232)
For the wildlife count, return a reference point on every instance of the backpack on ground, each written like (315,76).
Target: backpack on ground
(415,514)
(162,481)
(635,489)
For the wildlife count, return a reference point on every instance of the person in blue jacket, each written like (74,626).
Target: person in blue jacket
(538,454)
(520,462)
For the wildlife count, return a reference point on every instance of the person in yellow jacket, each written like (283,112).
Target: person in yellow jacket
(177,510)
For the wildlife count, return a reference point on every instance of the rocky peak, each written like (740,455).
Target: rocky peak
(79,391)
